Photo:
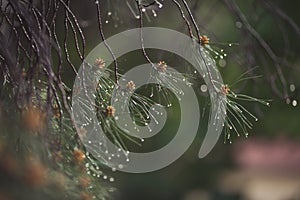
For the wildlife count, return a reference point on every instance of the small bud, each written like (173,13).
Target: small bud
(78,156)
(225,90)
(130,86)
(56,111)
(110,111)
(99,63)
(162,66)
(204,40)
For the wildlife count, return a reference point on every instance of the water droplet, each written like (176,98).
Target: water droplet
(106,21)
(120,166)
(292,88)
(203,88)
(111,179)
(238,24)
(105,177)
(109,13)
(154,13)
(222,63)
(114,169)
(294,103)
(230,45)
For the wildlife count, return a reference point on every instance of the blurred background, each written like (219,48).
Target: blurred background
(264,166)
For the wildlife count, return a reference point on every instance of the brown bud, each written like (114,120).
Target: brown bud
(162,66)
(56,111)
(99,63)
(204,40)
(79,156)
(225,90)
(110,111)
(130,86)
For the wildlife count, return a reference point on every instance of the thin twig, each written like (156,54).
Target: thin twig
(141,32)
(235,9)
(184,18)
(100,26)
